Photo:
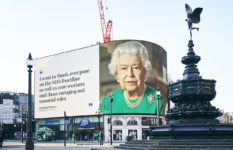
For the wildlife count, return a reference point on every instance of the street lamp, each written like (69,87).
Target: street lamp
(158,95)
(29,140)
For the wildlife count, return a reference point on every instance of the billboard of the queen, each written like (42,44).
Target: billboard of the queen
(138,69)
(80,81)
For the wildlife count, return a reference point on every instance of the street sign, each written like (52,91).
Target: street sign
(66,122)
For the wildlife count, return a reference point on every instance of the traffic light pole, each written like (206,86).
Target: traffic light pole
(22,131)
(111,120)
(74,132)
(72,121)
(22,124)
(65,128)
(158,96)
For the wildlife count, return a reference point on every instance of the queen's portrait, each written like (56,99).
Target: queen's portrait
(130,65)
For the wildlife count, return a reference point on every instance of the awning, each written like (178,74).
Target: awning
(44,129)
(85,128)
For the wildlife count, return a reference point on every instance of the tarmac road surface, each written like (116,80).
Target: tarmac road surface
(17,145)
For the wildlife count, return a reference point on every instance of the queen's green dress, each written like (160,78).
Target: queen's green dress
(148,104)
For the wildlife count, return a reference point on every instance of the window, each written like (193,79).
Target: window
(132,134)
(147,121)
(117,123)
(117,135)
(132,122)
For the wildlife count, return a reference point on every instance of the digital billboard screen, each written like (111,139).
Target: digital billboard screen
(82,81)
(68,82)
(131,72)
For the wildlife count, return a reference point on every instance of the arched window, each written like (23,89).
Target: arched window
(117,123)
(132,122)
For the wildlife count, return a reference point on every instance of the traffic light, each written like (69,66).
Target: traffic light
(23,117)
(14,121)
(109,120)
(71,120)
(65,117)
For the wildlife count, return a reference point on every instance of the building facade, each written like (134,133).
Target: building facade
(127,127)
(82,128)
(86,128)
(80,87)
(227,117)
(13,111)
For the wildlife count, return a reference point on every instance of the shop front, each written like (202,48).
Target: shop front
(82,129)
(87,134)
(117,135)
(128,127)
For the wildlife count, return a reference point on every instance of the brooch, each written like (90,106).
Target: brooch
(151,99)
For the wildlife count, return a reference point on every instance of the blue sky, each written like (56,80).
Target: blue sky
(45,27)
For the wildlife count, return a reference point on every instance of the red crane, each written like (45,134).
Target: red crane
(106,29)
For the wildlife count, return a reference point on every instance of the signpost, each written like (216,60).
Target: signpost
(65,123)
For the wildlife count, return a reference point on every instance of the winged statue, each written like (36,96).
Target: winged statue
(193,17)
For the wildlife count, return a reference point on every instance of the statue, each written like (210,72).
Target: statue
(192,116)
(192,119)
(193,17)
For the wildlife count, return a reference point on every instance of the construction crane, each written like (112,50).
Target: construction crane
(106,29)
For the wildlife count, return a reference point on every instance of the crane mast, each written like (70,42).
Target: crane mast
(106,29)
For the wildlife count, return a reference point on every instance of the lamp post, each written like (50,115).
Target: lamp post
(158,95)
(29,140)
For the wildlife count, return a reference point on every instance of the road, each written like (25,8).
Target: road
(17,145)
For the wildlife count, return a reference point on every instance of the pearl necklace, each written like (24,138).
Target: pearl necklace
(134,105)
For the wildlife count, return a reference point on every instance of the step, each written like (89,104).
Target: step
(193,146)
(188,149)
(178,143)
(181,144)
(175,140)
(129,148)
(171,148)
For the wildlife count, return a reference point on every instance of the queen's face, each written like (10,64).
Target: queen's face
(130,73)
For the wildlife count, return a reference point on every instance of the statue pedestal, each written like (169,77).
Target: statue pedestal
(192,116)
(198,131)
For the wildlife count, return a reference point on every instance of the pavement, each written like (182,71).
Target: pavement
(58,145)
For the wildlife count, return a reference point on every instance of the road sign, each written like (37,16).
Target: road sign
(66,122)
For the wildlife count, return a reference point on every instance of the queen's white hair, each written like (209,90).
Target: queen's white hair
(131,47)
